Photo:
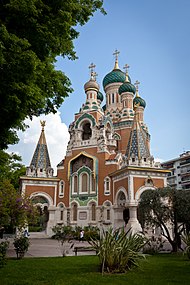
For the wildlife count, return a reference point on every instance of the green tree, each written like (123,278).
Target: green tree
(166,208)
(32,34)
(11,168)
(15,210)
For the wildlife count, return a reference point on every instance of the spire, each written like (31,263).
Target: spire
(137,87)
(137,145)
(126,67)
(116,53)
(40,160)
(93,74)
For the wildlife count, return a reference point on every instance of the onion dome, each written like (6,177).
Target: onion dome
(91,85)
(116,75)
(100,96)
(138,101)
(127,86)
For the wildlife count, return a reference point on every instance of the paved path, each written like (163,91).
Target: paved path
(46,247)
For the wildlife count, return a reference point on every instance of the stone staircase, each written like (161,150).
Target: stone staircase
(38,235)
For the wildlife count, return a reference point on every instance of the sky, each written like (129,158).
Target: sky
(153,38)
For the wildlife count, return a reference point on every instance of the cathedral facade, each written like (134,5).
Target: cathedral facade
(107,164)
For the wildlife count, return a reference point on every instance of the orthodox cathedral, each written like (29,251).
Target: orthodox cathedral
(107,164)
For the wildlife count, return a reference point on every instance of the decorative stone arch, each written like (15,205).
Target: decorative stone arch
(107,206)
(107,120)
(116,136)
(62,208)
(61,205)
(92,204)
(43,194)
(118,197)
(83,118)
(74,210)
(95,163)
(141,190)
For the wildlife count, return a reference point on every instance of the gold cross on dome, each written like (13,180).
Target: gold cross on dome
(137,84)
(91,67)
(43,123)
(116,53)
(94,74)
(126,67)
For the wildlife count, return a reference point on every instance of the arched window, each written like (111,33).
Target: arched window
(61,211)
(108,214)
(75,184)
(93,212)
(61,188)
(107,206)
(84,182)
(74,212)
(107,186)
(87,132)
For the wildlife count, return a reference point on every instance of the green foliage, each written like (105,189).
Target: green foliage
(118,251)
(11,168)
(15,210)
(32,34)
(186,240)
(21,245)
(89,232)
(4,245)
(163,208)
(154,245)
(62,233)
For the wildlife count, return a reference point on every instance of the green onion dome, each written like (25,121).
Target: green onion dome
(127,87)
(115,75)
(138,101)
(100,96)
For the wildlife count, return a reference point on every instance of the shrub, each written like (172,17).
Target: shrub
(186,240)
(4,245)
(63,234)
(153,245)
(118,250)
(21,245)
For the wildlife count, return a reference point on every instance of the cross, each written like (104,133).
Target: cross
(137,84)
(43,123)
(126,67)
(116,53)
(91,67)
(94,74)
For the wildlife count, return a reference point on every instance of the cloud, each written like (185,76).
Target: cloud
(159,160)
(57,138)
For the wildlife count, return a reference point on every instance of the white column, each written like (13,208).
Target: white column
(133,222)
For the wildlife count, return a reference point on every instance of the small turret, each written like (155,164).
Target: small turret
(40,165)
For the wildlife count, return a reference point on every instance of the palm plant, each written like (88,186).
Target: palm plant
(186,240)
(118,250)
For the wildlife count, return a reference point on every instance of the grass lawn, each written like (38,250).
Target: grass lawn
(163,269)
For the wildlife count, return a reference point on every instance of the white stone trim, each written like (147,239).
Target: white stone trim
(43,194)
(141,190)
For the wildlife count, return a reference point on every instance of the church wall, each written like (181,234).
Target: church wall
(37,188)
(125,134)
(139,182)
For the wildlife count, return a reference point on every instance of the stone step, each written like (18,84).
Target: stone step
(38,235)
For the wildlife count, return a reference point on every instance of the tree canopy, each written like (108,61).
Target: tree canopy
(167,209)
(11,168)
(15,210)
(32,34)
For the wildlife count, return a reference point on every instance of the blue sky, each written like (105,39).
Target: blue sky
(153,37)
